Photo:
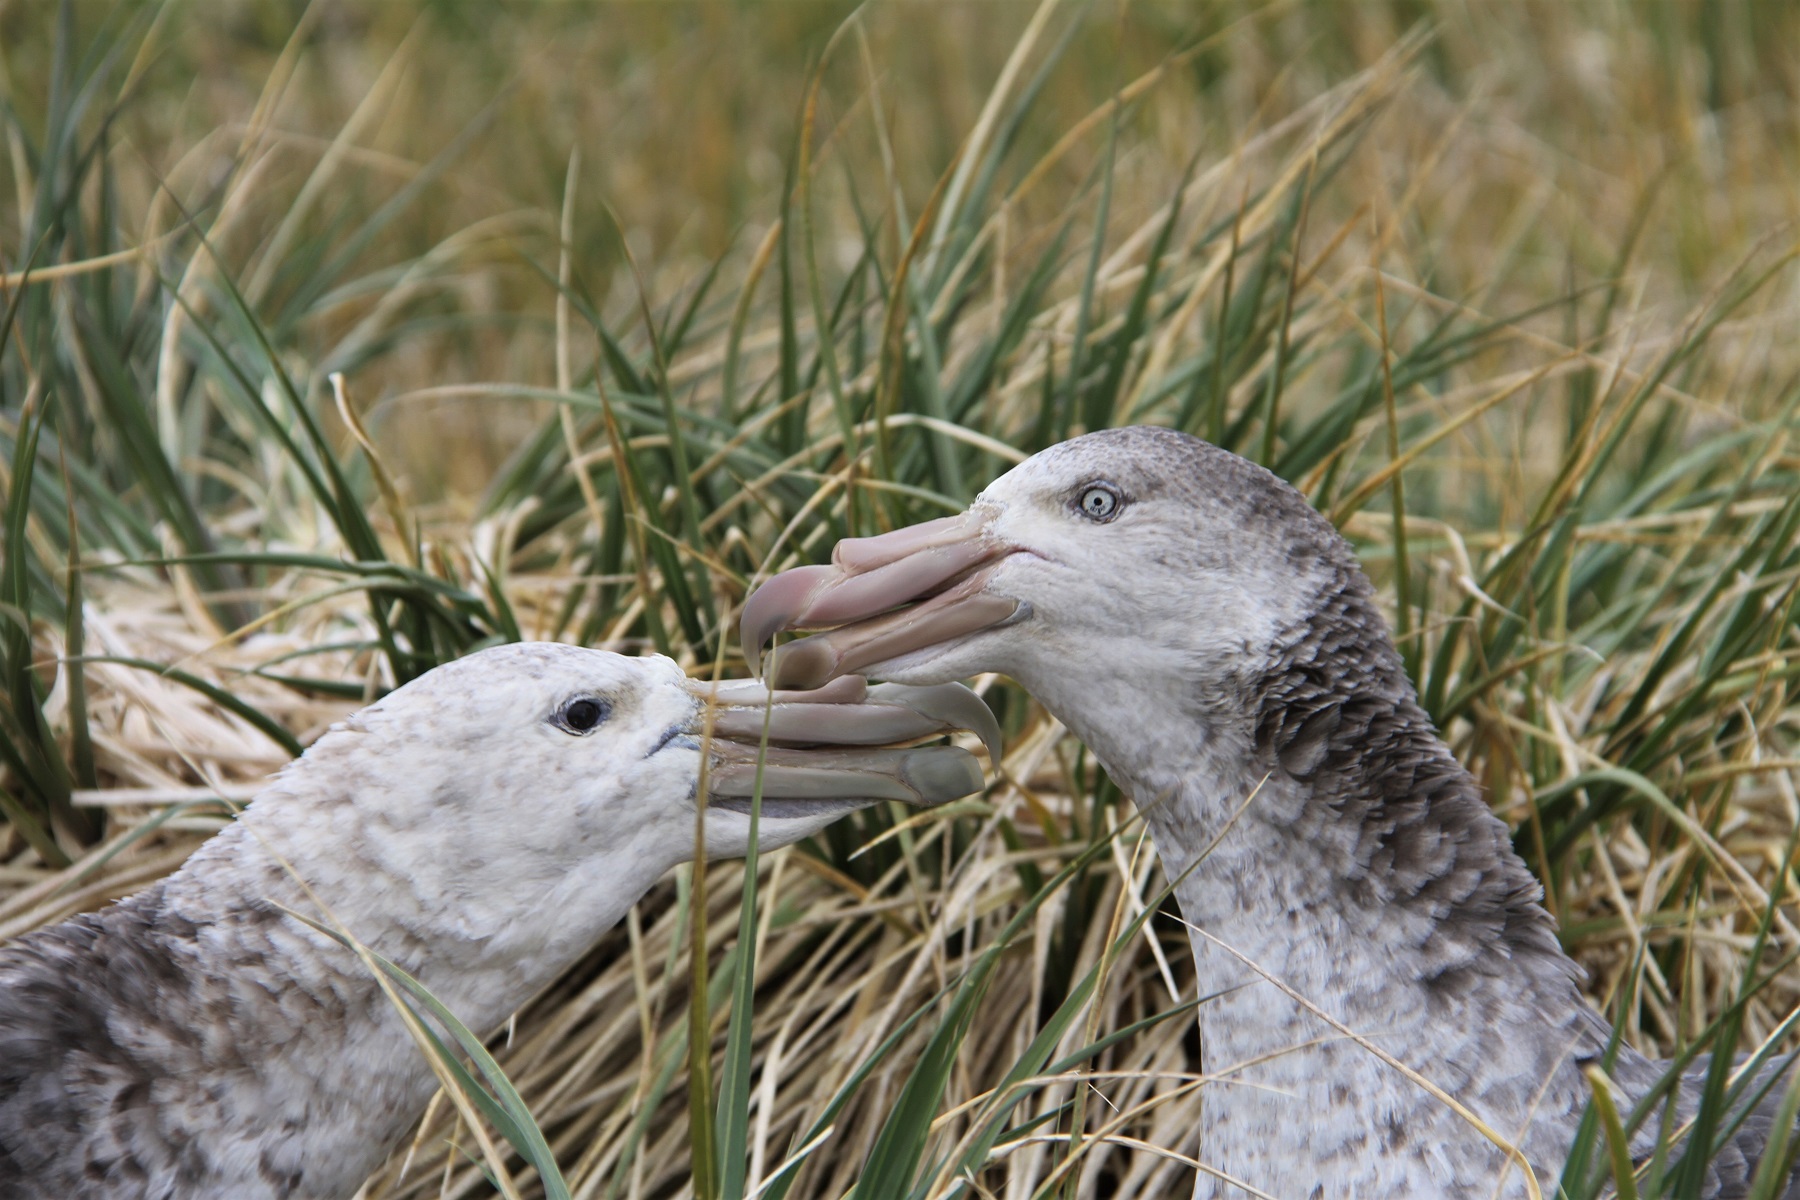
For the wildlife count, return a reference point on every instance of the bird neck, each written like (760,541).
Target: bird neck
(306,1069)
(1320,791)
(1382,875)
(1363,968)
(1342,875)
(312,1066)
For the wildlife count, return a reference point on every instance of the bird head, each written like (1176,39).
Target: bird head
(1129,567)
(542,777)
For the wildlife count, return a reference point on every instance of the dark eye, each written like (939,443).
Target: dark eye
(583,715)
(1099,502)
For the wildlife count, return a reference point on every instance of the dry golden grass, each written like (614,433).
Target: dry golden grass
(1594,182)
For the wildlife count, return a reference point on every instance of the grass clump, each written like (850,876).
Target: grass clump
(1508,292)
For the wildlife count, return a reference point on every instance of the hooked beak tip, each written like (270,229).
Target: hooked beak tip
(775,606)
(906,577)
(951,703)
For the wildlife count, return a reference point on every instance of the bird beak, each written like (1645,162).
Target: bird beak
(869,590)
(845,742)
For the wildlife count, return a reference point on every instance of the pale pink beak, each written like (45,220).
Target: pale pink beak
(868,593)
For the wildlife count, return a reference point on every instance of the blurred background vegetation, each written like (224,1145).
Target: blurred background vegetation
(1508,289)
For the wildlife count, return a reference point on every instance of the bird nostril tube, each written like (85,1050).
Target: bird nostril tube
(862,554)
(856,597)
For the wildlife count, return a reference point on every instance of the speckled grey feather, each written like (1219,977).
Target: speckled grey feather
(117,1082)
(1218,647)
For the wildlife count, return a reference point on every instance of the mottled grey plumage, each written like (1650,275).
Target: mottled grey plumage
(196,1042)
(133,1038)
(1214,641)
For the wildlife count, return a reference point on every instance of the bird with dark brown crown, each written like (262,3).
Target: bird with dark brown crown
(1395,1017)
(480,827)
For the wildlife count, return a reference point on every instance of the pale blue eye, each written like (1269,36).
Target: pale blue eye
(1098,503)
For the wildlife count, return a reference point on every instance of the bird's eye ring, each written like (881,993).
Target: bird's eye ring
(1099,502)
(582,715)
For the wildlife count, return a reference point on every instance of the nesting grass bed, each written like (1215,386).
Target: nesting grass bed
(1510,292)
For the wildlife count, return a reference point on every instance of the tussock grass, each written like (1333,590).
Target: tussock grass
(1510,292)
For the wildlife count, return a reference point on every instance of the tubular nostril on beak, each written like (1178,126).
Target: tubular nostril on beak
(863,554)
